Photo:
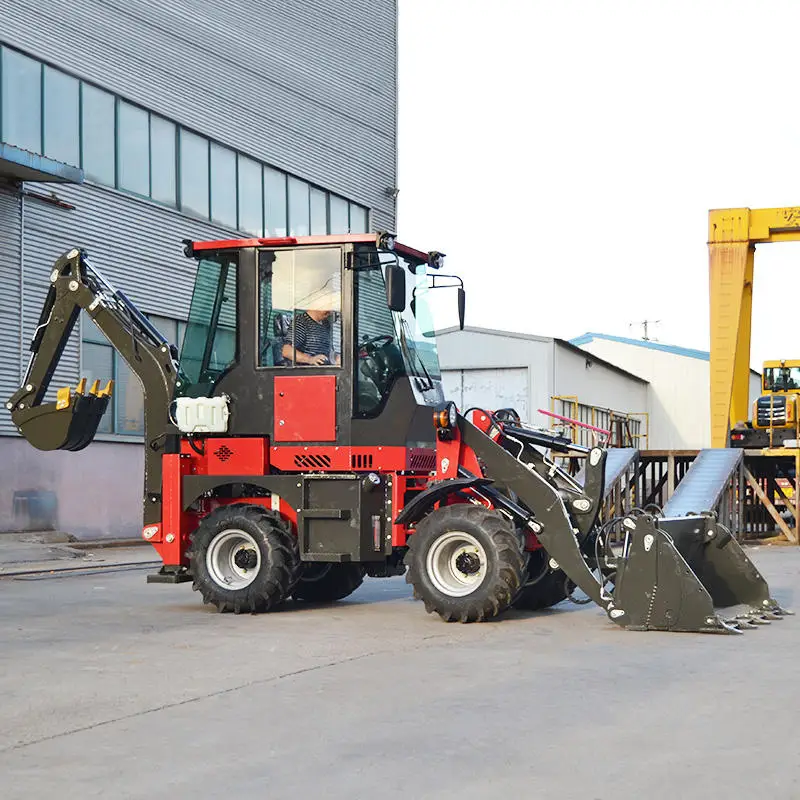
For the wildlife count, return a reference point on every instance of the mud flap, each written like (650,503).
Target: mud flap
(688,574)
(48,427)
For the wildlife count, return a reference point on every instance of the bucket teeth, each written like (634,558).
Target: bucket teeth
(81,387)
(95,387)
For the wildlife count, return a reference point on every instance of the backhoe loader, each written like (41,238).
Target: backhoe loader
(301,441)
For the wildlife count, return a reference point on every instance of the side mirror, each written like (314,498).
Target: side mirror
(396,287)
(462,303)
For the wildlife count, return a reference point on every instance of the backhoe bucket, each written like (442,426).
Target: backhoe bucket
(688,574)
(55,426)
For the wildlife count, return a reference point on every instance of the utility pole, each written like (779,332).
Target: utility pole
(644,324)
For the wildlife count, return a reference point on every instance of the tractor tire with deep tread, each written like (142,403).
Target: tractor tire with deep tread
(327,583)
(545,593)
(465,563)
(244,558)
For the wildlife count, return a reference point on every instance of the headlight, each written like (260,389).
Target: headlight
(445,420)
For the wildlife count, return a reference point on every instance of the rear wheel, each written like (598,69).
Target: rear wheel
(465,563)
(326,583)
(545,587)
(243,558)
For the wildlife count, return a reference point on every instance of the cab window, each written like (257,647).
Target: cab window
(300,307)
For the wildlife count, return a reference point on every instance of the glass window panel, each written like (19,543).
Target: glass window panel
(194,173)
(129,403)
(98,134)
(98,364)
(359,222)
(301,301)
(162,160)
(22,101)
(340,215)
(223,185)
(319,213)
(251,204)
(133,136)
(298,208)
(91,333)
(275,199)
(61,117)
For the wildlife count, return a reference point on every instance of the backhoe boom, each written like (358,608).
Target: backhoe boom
(71,421)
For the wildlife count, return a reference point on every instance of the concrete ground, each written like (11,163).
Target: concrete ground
(113,688)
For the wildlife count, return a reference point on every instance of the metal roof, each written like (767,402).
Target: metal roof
(533,338)
(701,355)
(20,165)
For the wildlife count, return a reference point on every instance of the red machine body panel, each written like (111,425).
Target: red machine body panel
(236,456)
(305,408)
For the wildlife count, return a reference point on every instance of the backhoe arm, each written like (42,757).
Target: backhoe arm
(71,422)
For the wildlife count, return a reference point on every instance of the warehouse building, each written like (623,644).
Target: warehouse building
(502,369)
(125,129)
(679,405)
(658,392)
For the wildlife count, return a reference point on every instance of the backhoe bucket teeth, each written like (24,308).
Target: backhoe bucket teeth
(688,574)
(52,427)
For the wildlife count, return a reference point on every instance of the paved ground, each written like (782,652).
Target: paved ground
(112,688)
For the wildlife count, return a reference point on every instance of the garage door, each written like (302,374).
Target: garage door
(488,388)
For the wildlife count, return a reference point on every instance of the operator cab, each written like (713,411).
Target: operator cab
(330,338)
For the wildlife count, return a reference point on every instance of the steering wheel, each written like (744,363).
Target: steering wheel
(384,337)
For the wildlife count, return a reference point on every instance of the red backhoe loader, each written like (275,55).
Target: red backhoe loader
(301,441)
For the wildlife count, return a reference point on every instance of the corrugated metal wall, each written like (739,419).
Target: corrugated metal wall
(309,87)
(9,302)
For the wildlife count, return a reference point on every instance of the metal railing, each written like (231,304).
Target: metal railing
(626,428)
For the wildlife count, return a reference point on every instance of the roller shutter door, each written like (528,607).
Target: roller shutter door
(505,387)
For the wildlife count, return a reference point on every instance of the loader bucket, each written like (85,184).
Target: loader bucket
(688,574)
(50,427)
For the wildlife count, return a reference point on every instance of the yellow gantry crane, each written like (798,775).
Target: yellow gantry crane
(733,234)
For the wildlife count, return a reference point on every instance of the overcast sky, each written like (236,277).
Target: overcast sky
(565,155)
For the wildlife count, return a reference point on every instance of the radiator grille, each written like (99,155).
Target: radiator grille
(223,453)
(361,461)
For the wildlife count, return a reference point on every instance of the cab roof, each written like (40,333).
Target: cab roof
(193,247)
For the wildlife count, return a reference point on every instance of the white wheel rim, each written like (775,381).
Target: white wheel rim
(456,563)
(229,559)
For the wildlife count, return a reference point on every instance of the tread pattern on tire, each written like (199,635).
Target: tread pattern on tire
(338,582)
(280,559)
(502,546)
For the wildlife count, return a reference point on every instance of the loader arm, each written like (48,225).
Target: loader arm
(71,422)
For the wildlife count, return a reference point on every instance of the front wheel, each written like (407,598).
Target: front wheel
(465,563)
(243,558)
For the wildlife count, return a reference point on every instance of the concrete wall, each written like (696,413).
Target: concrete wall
(94,493)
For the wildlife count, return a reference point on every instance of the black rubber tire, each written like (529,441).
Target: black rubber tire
(327,583)
(504,568)
(548,591)
(280,559)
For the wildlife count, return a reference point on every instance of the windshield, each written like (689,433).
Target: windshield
(781,379)
(209,344)
(393,344)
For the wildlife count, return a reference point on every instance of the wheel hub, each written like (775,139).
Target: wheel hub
(245,558)
(456,563)
(468,563)
(233,559)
